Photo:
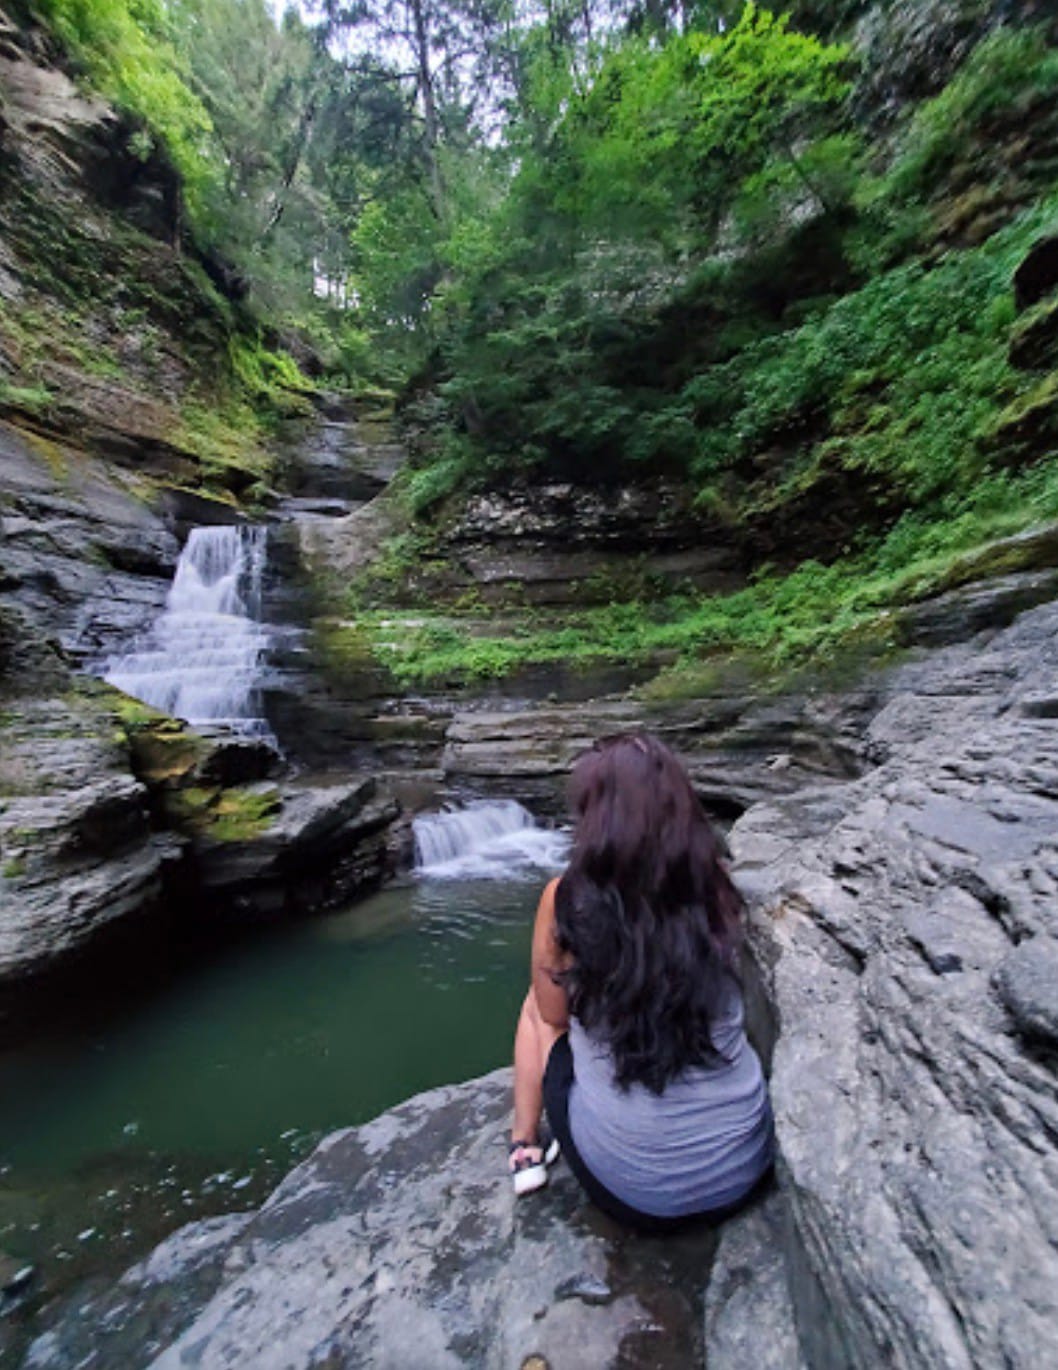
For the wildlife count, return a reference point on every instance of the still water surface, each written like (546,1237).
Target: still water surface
(198,1099)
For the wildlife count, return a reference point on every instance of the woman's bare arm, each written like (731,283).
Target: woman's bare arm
(548,961)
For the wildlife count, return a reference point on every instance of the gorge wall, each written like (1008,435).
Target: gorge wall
(122,426)
(902,983)
(893,828)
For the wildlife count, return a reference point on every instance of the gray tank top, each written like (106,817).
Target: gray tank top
(700,1144)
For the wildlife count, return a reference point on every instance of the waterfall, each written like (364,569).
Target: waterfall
(487,840)
(201,660)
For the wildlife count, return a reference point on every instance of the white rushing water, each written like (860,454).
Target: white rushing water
(201,661)
(486,840)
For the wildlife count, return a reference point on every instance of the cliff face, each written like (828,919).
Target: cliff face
(907,923)
(112,818)
(114,327)
(119,428)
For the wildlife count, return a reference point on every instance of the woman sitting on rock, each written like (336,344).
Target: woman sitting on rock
(632,1031)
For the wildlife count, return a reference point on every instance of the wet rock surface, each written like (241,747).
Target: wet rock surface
(112,814)
(400,1243)
(907,924)
(80,555)
(343,458)
(318,847)
(76,850)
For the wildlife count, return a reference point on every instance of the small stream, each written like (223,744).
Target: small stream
(195,1097)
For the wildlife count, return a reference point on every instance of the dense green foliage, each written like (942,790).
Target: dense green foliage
(131,57)
(276,143)
(705,290)
(818,613)
(611,241)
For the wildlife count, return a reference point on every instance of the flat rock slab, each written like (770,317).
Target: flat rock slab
(400,1244)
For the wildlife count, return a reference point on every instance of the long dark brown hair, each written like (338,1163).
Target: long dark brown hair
(646,910)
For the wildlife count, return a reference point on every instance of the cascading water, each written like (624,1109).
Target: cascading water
(486,840)
(201,661)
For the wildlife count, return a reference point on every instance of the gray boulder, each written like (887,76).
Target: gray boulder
(400,1244)
(904,926)
(76,851)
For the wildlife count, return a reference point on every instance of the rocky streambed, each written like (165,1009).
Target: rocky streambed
(896,837)
(904,948)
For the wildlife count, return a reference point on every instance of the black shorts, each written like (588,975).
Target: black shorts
(558,1076)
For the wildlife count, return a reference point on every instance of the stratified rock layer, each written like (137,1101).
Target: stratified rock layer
(907,922)
(76,852)
(83,557)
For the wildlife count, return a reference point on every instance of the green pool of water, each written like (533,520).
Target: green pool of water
(197,1098)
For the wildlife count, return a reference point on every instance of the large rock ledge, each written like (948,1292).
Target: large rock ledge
(113,817)
(907,924)
(400,1244)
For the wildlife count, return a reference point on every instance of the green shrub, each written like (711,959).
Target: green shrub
(1010,70)
(125,49)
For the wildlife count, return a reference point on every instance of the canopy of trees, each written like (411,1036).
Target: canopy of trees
(598,234)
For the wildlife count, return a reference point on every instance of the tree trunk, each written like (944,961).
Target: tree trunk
(424,78)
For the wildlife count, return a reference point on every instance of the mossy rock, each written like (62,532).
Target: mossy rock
(135,716)
(1034,550)
(345,651)
(1027,430)
(1034,339)
(970,219)
(166,757)
(238,813)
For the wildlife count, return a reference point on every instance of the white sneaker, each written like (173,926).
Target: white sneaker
(530,1173)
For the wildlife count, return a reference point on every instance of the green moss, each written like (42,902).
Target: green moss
(347,646)
(228,438)
(1008,75)
(1027,429)
(241,814)
(816,616)
(136,716)
(1034,340)
(26,399)
(165,756)
(235,814)
(271,378)
(13,868)
(54,454)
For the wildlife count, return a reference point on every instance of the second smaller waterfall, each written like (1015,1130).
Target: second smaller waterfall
(486,839)
(201,661)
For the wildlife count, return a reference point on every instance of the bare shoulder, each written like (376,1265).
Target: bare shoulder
(546,950)
(545,910)
(549,961)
